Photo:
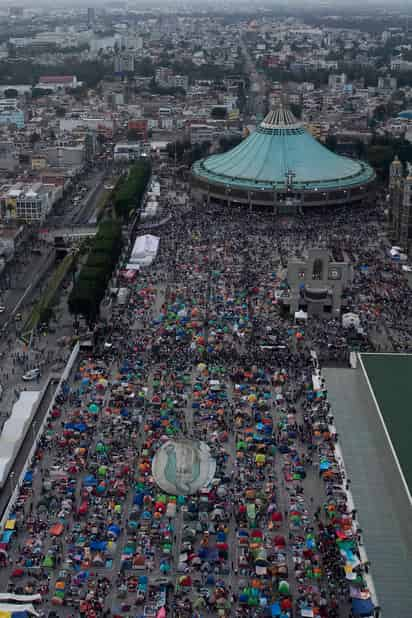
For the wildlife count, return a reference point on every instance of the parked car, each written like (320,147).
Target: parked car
(33,374)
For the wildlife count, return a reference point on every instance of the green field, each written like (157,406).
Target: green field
(390,376)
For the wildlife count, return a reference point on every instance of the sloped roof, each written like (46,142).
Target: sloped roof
(281,153)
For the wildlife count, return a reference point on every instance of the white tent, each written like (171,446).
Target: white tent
(150,210)
(301,315)
(15,429)
(144,250)
(7,609)
(350,319)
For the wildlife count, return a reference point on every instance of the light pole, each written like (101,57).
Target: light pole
(12,474)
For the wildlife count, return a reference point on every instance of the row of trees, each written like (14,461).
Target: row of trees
(379,153)
(187,153)
(131,188)
(91,72)
(90,286)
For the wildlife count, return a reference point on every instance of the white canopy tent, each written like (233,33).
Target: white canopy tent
(144,251)
(301,315)
(15,429)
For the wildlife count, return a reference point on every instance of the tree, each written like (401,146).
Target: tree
(130,190)
(90,286)
(219,112)
(133,135)
(34,139)
(11,93)
(229,142)
(176,150)
(380,157)
(296,110)
(331,142)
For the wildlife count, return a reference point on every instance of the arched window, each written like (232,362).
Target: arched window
(317,272)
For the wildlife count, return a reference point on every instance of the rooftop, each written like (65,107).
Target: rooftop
(282,154)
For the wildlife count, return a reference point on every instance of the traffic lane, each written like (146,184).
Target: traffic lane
(12,297)
(22,295)
(66,211)
(90,202)
(7,489)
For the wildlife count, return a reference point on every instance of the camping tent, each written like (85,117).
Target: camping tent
(301,315)
(362,607)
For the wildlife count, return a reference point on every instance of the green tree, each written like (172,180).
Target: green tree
(90,286)
(129,193)
(34,139)
(11,93)
(219,112)
(133,135)
(228,142)
(331,142)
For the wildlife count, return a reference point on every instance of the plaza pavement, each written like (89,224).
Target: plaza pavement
(384,512)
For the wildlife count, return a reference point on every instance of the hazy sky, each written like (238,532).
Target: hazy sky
(241,4)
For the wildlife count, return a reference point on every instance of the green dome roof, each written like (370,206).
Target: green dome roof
(281,153)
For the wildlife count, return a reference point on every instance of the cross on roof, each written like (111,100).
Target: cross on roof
(289,177)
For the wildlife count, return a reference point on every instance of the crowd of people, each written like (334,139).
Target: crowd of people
(202,352)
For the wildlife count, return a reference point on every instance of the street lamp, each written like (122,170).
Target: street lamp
(12,474)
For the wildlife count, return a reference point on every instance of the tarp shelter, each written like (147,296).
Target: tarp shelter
(144,250)
(301,315)
(11,610)
(20,598)
(15,429)
(362,607)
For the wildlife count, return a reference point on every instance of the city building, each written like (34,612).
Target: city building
(400,205)
(101,124)
(180,81)
(11,114)
(127,151)
(9,159)
(91,17)
(163,76)
(139,127)
(337,82)
(57,82)
(28,202)
(124,63)
(10,238)
(282,166)
(66,156)
(387,83)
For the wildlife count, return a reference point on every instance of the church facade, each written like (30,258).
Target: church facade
(400,205)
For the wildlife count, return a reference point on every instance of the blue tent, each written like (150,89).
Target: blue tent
(28,477)
(98,545)
(275,609)
(89,481)
(114,530)
(6,536)
(362,607)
